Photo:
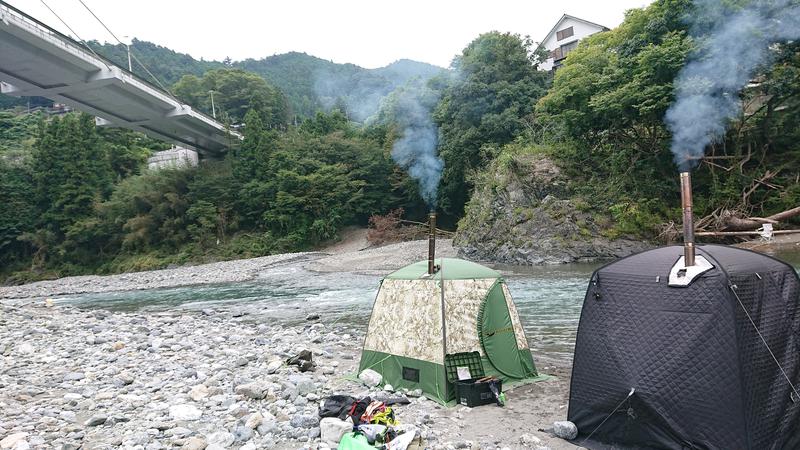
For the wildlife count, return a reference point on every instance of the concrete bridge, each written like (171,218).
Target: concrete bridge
(36,60)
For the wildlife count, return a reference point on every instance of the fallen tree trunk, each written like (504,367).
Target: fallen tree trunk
(741,233)
(733,223)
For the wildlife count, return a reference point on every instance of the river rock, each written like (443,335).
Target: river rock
(304,421)
(274,365)
(565,430)
(68,416)
(199,392)
(194,443)
(370,377)
(185,412)
(123,379)
(96,420)
(74,376)
(25,348)
(304,384)
(72,397)
(242,433)
(269,425)
(12,440)
(254,420)
(220,438)
(255,390)
(529,440)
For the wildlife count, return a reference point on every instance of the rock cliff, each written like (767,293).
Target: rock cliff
(523,212)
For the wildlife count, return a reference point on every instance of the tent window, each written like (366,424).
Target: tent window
(410,374)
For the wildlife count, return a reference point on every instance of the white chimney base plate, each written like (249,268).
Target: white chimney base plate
(682,275)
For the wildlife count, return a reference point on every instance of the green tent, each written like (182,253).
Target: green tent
(413,326)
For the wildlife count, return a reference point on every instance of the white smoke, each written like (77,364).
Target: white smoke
(415,150)
(732,43)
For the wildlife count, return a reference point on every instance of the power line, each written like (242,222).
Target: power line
(74,33)
(132,55)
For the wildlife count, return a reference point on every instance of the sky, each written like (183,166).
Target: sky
(369,33)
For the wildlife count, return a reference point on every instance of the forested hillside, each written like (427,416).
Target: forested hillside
(579,159)
(309,83)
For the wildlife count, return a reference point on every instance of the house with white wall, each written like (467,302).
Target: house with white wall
(564,37)
(174,158)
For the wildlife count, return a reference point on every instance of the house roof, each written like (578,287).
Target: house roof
(565,17)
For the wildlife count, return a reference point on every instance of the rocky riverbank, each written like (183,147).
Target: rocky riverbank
(94,379)
(522,212)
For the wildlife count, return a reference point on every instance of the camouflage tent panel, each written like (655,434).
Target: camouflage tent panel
(463,299)
(407,320)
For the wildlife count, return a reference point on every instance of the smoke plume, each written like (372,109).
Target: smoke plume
(732,43)
(409,108)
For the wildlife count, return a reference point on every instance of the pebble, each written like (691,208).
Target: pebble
(74,376)
(221,438)
(304,421)
(199,392)
(254,420)
(184,412)
(194,443)
(255,390)
(96,420)
(13,440)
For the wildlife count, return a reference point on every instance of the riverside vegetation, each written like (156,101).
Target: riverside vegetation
(75,199)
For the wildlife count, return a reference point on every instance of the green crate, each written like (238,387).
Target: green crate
(471,360)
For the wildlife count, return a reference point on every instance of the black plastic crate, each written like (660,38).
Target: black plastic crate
(471,360)
(471,393)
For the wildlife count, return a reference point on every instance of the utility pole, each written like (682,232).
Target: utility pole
(213,109)
(130,67)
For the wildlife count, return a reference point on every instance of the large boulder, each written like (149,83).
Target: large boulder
(523,212)
(370,377)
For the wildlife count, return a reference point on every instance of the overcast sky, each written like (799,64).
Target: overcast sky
(369,33)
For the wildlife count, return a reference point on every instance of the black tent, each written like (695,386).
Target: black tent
(664,367)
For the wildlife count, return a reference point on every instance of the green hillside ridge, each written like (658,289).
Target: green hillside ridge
(309,83)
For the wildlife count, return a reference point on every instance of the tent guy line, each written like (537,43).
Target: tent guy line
(733,289)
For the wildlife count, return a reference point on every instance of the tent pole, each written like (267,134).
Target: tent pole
(444,315)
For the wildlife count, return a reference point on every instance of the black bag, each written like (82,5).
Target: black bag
(336,406)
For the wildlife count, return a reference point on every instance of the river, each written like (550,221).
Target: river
(548,299)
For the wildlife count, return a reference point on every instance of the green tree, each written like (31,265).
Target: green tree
(17,211)
(235,93)
(70,171)
(604,120)
(494,90)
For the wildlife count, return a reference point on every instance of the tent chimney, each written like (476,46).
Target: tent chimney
(689,266)
(688,223)
(432,269)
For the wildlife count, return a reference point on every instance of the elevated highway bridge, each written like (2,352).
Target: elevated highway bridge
(36,60)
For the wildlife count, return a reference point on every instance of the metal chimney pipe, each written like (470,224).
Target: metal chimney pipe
(688,223)
(431,243)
